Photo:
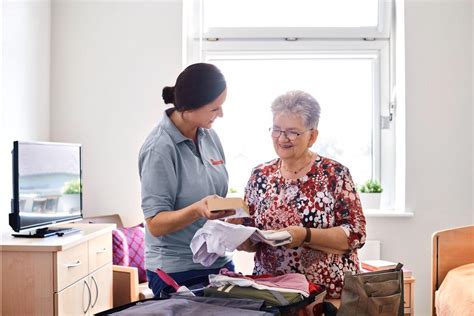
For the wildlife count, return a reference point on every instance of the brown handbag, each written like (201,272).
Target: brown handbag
(378,293)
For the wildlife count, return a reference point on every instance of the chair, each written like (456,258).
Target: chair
(126,285)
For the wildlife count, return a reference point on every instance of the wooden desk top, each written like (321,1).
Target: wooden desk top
(55,243)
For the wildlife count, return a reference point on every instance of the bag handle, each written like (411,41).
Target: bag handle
(398,267)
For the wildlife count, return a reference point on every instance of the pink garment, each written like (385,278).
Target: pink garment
(290,282)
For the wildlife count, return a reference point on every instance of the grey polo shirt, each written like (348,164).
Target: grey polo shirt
(174,174)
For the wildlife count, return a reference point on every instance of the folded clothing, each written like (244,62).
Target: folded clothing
(290,282)
(272,298)
(271,237)
(216,237)
(313,288)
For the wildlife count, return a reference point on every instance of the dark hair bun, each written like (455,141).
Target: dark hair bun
(168,95)
(197,85)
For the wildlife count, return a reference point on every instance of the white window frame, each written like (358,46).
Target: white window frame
(382,30)
(222,43)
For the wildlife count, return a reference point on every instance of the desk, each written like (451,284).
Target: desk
(69,275)
(409,296)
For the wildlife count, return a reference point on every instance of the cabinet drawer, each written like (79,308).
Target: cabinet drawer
(74,300)
(100,252)
(407,295)
(71,265)
(101,289)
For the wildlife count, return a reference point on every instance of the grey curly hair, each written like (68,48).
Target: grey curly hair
(299,103)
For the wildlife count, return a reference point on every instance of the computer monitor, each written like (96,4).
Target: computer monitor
(47,187)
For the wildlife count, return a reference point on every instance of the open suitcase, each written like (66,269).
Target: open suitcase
(311,305)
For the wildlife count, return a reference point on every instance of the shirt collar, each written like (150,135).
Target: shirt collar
(174,132)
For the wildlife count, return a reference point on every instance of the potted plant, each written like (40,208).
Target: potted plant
(71,200)
(370,193)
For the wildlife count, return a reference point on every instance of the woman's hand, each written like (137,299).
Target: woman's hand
(298,234)
(202,209)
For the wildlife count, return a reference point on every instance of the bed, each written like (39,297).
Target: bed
(452,272)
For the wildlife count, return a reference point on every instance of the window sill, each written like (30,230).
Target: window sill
(386,213)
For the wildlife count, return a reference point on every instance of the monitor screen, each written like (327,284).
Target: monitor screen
(46,184)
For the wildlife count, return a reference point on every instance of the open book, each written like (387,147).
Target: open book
(235,203)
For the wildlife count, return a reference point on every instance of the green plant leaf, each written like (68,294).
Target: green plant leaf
(370,186)
(72,187)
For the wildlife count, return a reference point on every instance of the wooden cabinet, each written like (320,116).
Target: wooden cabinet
(88,296)
(101,289)
(409,296)
(74,300)
(69,275)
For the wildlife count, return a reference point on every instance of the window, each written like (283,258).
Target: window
(295,13)
(342,59)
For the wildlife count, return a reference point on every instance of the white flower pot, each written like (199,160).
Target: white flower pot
(370,200)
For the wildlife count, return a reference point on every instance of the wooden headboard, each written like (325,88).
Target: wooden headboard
(451,248)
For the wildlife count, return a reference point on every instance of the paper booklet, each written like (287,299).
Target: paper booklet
(236,203)
(377,265)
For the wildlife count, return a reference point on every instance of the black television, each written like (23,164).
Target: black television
(47,188)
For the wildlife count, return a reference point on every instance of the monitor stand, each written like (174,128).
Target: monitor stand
(48,232)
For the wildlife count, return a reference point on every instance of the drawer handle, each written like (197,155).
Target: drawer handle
(76,264)
(89,296)
(96,292)
(102,250)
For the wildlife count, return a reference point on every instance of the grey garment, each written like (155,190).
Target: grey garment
(185,307)
(174,174)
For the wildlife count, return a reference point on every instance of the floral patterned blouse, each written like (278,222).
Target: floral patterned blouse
(325,197)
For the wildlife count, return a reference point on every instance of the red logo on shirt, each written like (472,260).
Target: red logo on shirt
(217,162)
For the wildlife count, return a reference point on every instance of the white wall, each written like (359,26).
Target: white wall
(439,138)
(24,107)
(111,60)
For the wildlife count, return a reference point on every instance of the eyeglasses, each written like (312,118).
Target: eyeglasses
(291,135)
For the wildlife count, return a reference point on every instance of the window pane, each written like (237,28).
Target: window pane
(290,13)
(344,87)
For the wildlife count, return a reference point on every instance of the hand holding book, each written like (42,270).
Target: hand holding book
(226,204)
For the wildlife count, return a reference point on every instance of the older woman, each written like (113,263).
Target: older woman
(310,196)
